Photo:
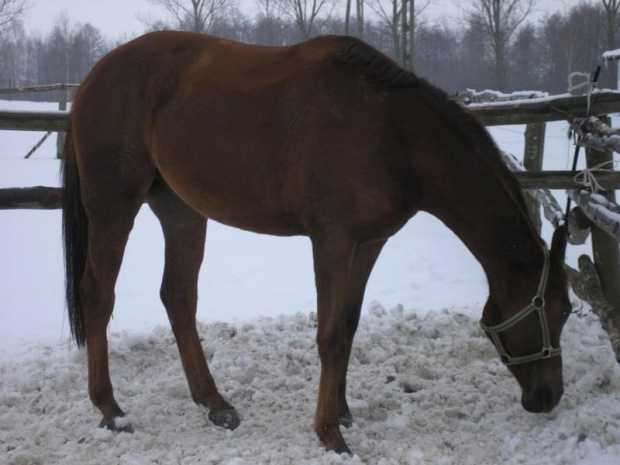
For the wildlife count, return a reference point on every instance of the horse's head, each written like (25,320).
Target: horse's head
(525,327)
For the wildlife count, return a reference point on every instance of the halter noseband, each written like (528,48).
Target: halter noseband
(537,305)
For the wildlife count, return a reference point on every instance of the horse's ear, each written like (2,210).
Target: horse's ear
(558,244)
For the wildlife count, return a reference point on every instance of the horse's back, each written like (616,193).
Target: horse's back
(255,137)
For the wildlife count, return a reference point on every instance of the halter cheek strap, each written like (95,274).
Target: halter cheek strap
(537,305)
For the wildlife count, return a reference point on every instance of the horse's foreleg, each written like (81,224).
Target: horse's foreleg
(333,260)
(365,258)
(107,241)
(184,233)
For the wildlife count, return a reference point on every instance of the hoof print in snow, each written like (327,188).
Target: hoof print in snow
(228,418)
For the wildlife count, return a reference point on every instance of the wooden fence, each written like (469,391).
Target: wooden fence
(20,120)
(601,287)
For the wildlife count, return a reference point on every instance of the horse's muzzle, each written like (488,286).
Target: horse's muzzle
(542,399)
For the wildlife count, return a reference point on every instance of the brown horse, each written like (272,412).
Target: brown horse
(329,139)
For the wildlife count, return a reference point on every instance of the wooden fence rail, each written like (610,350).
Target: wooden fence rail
(547,109)
(44,88)
(490,114)
(20,122)
(33,120)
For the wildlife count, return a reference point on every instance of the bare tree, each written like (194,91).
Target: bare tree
(347,17)
(305,13)
(359,11)
(194,15)
(359,8)
(269,19)
(500,18)
(400,17)
(10,10)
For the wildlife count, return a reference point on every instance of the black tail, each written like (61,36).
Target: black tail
(75,231)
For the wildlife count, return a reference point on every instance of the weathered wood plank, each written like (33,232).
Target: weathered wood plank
(542,110)
(552,210)
(605,248)
(533,161)
(523,112)
(535,180)
(587,286)
(564,180)
(597,135)
(33,120)
(31,198)
(599,212)
(45,88)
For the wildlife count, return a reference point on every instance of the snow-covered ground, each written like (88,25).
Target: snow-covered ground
(425,385)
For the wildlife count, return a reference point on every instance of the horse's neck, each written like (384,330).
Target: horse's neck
(484,211)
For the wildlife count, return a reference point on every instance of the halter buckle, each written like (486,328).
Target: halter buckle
(538,302)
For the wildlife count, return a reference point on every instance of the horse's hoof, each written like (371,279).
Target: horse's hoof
(226,418)
(346,420)
(340,449)
(117,425)
(333,441)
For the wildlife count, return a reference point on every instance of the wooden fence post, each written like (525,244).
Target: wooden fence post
(532,160)
(62,105)
(605,249)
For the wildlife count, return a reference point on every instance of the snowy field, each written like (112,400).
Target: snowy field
(425,384)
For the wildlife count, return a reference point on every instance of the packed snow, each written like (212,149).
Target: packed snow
(425,385)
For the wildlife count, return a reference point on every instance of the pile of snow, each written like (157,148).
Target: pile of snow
(610,55)
(422,389)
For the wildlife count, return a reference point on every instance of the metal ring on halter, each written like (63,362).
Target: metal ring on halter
(537,305)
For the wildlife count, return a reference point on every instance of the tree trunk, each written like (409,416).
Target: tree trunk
(347,17)
(404,36)
(395,35)
(411,35)
(359,4)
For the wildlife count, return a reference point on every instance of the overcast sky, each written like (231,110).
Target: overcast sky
(116,18)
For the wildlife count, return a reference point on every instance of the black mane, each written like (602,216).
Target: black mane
(382,71)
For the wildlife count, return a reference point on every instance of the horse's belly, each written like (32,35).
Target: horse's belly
(237,204)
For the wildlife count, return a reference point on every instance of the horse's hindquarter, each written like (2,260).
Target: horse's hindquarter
(274,141)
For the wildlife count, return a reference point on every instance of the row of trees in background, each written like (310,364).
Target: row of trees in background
(496,45)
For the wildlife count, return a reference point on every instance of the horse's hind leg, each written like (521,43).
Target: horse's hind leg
(184,233)
(111,215)
(364,260)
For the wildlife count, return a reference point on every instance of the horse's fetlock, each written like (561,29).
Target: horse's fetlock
(100,395)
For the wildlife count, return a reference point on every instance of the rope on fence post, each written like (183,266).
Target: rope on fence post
(591,83)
